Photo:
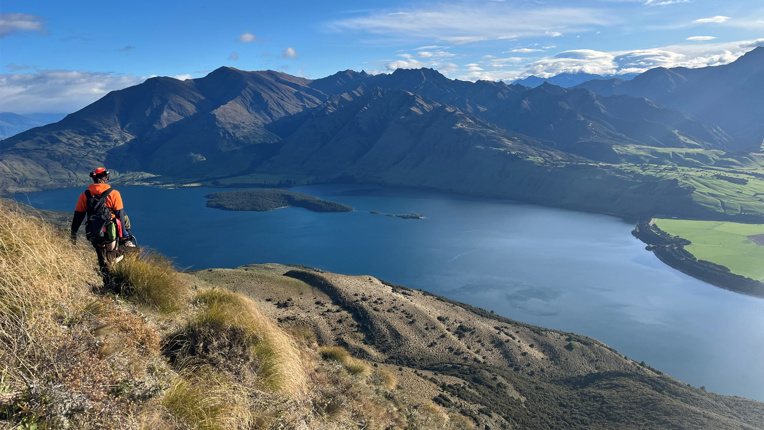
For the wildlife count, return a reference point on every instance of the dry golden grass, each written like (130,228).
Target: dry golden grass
(242,333)
(353,365)
(205,400)
(42,278)
(150,279)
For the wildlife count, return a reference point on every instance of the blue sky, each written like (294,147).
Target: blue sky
(58,56)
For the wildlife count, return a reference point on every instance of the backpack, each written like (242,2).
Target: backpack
(99,227)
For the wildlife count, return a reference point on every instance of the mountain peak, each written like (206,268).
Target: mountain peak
(425,73)
(755,56)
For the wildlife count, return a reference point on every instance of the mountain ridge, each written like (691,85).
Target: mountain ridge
(235,127)
(726,94)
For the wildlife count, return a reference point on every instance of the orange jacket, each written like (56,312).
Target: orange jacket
(113,200)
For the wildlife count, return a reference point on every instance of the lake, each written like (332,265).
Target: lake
(559,269)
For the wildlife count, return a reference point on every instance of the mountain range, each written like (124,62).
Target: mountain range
(567,80)
(12,124)
(565,147)
(729,96)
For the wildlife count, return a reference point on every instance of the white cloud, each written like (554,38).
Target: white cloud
(574,61)
(638,61)
(460,24)
(183,77)
(438,62)
(429,47)
(524,50)
(57,90)
(289,53)
(435,54)
(500,63)
(12,23)
(701,38)
(715,20)
(249,38)
(234,56)
(665,2)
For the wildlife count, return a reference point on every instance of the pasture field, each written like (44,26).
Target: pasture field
(726,243)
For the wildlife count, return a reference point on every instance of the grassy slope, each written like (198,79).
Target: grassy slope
(502,373)
(724,243)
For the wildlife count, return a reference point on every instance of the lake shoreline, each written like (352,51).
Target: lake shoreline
(670,250)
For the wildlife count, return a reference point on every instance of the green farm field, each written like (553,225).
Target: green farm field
(725,243)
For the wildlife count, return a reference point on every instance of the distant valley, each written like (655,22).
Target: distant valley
(600,147)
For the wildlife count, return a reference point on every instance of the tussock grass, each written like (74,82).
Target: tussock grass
(150,279)
(41,278)
(205,400)
(229,328)
(387,380)
(60,368)
(353,365)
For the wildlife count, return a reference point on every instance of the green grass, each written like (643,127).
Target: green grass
(724,243)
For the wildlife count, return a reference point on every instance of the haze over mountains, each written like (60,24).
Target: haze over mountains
(547,145)
(12,124)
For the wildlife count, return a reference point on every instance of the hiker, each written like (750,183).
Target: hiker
(106,219)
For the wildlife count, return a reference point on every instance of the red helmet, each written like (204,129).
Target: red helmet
(99,173)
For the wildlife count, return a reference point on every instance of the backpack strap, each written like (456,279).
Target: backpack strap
(101,199)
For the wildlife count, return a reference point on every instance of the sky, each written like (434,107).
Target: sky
(59,56)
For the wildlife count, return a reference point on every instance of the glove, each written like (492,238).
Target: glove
(73,238)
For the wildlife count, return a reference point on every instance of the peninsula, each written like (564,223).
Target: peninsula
(270,199)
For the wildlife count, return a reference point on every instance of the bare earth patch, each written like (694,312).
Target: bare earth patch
(758,239)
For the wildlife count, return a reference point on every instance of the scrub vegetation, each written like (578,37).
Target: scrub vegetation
(268,200)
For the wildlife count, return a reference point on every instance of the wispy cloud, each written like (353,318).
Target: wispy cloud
(638,61)
(719,19)
(249,38)
(460,24)
(665,2)
(701,38)
(17,67)
(610,63)
(57,90)
(234,56)
(289,53)
(524,50)
(440,60)
(12,23)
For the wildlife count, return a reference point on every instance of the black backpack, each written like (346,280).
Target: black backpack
(99,216)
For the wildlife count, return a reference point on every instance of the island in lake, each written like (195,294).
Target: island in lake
(268,200)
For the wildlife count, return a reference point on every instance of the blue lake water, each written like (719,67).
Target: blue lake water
(559,269)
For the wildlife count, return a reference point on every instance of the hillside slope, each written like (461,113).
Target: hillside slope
(273,346)
(500,373)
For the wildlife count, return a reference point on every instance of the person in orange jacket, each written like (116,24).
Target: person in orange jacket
(99,199)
